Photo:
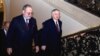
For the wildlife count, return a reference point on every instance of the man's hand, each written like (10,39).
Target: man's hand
(9,51)
(43,47)
(37,49)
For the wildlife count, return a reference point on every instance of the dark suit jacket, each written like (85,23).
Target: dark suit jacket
(2,42)
(20,38)
(2,36)
(50,36)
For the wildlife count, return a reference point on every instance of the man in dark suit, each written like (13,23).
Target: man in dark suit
(51,34)
(22,30)
(3,33)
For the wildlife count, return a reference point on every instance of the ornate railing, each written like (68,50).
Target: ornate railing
(92,6)
(83,43)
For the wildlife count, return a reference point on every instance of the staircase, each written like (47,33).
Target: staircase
(83,42)
(81,16)
(92,6)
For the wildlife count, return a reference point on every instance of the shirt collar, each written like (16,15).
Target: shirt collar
(55,21)
(25,19)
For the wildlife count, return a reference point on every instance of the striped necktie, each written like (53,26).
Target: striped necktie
(57,26)
(27,23)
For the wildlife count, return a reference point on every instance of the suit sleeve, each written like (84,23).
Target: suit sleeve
(10,34)
(44,34)
(35,34)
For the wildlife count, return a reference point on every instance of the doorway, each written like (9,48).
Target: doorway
(1,13)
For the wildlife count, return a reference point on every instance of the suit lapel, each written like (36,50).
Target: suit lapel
(53,24)
(59,24)
(4,34)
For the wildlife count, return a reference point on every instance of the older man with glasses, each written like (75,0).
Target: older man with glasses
(22,31)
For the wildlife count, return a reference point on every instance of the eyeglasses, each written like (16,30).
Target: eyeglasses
(29,13)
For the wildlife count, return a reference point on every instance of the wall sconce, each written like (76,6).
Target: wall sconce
(1,4)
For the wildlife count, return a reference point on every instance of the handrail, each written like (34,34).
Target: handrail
(82,31)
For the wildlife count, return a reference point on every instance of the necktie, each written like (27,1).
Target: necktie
(27,22)
(57,26)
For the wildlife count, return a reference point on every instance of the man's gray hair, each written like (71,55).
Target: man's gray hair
(55,10)
(25,6)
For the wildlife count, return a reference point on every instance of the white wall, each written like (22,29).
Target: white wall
(42,11)
(6,9)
